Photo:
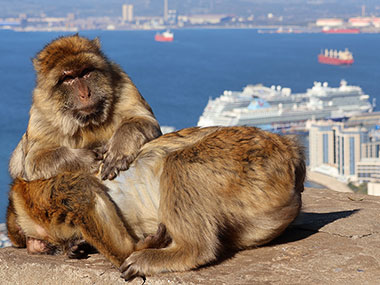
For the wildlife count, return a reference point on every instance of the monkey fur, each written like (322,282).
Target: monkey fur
(206,190)
(85,111)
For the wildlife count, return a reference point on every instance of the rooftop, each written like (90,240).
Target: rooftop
(335,240)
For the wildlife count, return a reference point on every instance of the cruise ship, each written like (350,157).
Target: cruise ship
(277,109)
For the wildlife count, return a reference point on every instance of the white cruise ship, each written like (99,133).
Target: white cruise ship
(276,108)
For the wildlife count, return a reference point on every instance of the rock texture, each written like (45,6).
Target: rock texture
(335,240)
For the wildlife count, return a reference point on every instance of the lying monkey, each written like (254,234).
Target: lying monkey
(205,189)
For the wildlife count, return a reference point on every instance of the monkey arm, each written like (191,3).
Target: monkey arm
(45,162)
(16,163)
(125,144)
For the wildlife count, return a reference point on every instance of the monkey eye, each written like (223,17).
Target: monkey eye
(67,78)
(86,72)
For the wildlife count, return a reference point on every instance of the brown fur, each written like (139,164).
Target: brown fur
(219,189)
(85,108)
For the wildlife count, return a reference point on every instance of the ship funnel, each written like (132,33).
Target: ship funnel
(343,82)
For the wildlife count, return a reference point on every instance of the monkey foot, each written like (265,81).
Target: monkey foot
(132,267)
(36,246)
(80,249)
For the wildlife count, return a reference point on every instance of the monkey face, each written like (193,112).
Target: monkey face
(79,81)
(84,92)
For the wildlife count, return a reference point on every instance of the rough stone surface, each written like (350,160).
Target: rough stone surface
(335,240)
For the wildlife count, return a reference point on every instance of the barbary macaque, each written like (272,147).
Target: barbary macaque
(85,111)
(188,198)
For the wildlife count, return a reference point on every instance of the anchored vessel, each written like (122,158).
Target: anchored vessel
(341,31)
(166,36)
(276,108)
(336,57)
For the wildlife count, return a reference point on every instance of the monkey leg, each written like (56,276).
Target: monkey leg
(103,228)
(191,216)
(15,232)
(69,207)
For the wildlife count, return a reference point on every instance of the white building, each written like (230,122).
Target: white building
(368,170)
(127,13)
(329,22)
(373,189)
(330,143)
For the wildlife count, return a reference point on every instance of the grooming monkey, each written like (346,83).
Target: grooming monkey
(206,190)
(85,111)
(84,108)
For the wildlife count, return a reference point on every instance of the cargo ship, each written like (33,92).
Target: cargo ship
(166,36)
(341,31)
(277,109)
(336,57)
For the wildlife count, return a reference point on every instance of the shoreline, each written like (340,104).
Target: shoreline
(4,240)
(327,181)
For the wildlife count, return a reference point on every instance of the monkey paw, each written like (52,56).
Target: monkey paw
(38,246)
(113,164)
(35,246)
(80,249)
(134,266)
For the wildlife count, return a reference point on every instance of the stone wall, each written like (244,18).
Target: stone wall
(335,240)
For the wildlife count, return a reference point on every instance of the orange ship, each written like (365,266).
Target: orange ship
(166,36)
(336,57)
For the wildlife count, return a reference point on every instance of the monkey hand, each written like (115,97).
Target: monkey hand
(90,159)
(114,160)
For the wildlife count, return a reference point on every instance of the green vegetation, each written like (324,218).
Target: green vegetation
(360,189)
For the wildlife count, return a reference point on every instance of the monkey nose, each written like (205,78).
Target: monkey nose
(85,94)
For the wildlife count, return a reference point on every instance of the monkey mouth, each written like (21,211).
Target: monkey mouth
(93,113)
(88,110)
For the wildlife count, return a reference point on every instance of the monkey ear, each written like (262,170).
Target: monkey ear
(96,42)
(36,64)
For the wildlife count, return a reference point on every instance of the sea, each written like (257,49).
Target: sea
(177,78)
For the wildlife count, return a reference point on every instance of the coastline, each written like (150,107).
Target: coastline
(328,181)
(4,240)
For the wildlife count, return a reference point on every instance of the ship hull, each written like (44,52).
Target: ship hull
(341,31)
(334,61)
(161,38)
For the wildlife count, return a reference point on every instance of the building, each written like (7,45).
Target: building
(373,189)
(368,170)
(329,22)
(166,8)
(330,143)
(321,144)
(205,19)
(127,13)
(360,22)
(172,17)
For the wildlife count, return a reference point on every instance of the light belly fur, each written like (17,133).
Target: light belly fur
(136,192)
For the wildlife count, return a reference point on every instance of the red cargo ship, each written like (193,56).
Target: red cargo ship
(341,31)
(166,36)
(335,57)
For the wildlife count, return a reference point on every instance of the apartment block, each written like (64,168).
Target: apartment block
(331,143)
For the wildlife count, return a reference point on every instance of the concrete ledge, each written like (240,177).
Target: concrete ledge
(335,240)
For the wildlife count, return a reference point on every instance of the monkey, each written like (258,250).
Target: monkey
(188,198)
(86,111)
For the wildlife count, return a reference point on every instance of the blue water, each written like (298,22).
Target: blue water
(178,78)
